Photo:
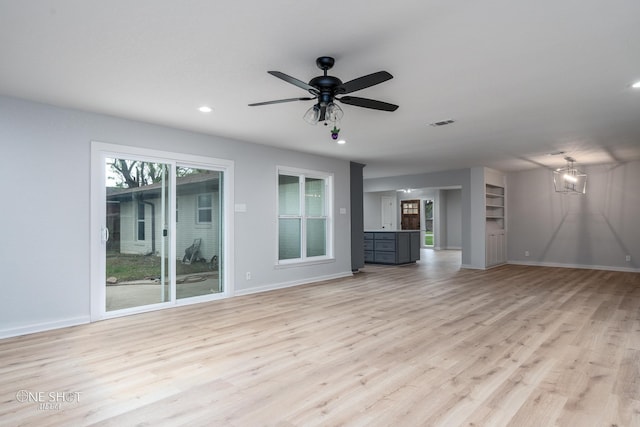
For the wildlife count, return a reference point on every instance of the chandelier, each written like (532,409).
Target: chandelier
(570,180)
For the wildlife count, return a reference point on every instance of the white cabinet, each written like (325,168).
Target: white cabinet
(496,249)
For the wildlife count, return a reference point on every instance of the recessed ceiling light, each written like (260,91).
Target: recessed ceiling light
(442,123)
(205,109)
(341,141)
(636,85)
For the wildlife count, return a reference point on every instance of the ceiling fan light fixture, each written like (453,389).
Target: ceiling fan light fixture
(334,113)
(312,115)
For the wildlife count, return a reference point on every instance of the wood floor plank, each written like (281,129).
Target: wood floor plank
(417,345)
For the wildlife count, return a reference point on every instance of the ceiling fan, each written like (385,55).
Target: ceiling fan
(326,89)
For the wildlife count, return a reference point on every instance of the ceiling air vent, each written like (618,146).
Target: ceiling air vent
(442,123)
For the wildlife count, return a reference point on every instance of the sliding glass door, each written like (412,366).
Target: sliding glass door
(161,223)
(198,231)
(136,233)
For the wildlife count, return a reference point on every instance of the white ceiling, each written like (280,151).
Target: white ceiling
(521,78)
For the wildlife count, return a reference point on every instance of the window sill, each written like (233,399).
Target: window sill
(292,264)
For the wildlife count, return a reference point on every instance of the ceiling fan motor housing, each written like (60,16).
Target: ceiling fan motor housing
(326,86)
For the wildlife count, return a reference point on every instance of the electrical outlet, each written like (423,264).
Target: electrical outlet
(628,258)
(526,253)
(248,275)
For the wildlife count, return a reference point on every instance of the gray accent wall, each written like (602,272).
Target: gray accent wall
(453,212)
(45,179)
(357,217)
(595,230)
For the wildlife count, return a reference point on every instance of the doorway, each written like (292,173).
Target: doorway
(428,224)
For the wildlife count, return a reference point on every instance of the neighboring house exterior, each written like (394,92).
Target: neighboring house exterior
(137,221)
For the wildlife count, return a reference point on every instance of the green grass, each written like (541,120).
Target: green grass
(428,239)
(138,267)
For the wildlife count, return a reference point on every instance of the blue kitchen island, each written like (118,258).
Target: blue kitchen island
(391,247)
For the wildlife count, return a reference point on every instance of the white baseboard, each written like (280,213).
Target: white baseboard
(44,326)
(283,285)
(48,326)
(556,264)
(583,266)
(471,267)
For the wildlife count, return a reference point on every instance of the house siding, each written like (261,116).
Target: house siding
(188,228)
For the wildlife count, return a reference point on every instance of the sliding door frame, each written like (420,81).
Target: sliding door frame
(99,152)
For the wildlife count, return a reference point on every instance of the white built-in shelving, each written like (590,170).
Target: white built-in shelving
(495,251)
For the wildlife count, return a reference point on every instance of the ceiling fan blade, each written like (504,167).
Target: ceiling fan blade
(279,101)
(368,103)
(364,82)
(293,81)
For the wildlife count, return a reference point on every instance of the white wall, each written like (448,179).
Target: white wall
(595,230)
(45,179)
(372,206)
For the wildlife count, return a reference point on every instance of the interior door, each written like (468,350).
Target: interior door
(388,213)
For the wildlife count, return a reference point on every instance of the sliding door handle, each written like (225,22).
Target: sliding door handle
(105,234)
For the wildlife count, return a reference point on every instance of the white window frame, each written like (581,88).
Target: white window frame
(329,237)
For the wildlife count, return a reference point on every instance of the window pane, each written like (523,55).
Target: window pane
(288,195)
(204,215)
(428,207)
(141,224)
(316,237)
(204,201)
(136,257)
(314,197)
(289,238)
(199,237)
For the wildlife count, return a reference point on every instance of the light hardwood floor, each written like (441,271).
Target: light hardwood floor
(414,345)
